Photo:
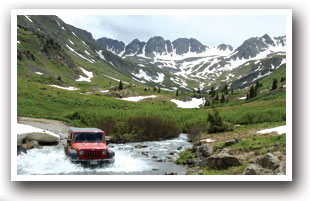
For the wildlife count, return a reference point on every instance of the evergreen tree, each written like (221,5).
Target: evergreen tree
(232,91)
(247,96)
(225,89)
(212,91)
(198,90)
(257,85)
(222,98)
(282,79)
(274,84)
(120,86)
(252,92)
(158,90)
(207,103)
(177,93)
(216,97)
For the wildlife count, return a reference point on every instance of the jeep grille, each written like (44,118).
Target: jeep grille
(92,154)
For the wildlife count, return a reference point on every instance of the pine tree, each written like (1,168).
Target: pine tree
(252,92)
(198,90)
(257,85)
(158,90)
(222,98)
(212,92)
(217,96)
(120,86)
(177,93)
(247,96)
(274,84)
(207,103)
(225,89)
(282,79)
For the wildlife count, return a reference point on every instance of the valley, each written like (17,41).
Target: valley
(149,92)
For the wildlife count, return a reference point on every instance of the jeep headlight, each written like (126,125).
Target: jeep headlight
(104,152)
(81,152)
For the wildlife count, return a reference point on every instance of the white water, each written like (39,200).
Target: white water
(129,159)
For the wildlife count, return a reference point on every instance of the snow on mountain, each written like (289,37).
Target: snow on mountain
(72,50)
(89,75)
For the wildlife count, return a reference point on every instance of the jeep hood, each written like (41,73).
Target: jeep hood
(89,145)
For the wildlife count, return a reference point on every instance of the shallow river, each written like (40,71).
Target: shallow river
(131,158)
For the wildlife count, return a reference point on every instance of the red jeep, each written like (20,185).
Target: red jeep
(88,146)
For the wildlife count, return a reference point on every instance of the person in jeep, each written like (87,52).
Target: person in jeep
(88,146)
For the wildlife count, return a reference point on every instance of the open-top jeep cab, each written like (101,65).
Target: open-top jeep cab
(88,146)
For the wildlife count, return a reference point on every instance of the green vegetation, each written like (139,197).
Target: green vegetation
(260,144)
(185,155)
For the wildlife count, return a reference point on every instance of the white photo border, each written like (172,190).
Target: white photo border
(284,12)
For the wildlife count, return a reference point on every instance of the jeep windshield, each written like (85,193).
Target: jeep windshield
(88,137)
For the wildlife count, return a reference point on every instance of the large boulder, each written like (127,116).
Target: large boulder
(231,142)
(223,160)
(269,161)
(204,151)
(26,133)
(252,169)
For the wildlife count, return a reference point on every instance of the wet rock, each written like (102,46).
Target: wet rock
(155,169)
(231,142)
(222,160)
(179,148)
(171,153)
(189,162)
(171,173)
(145,153)
(140,146)
(252,169)
(204,151)
(269,161)
(161,160)
(154,156)
(21,149)
(200,162)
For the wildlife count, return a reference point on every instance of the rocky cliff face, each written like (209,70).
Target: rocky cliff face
(114,46)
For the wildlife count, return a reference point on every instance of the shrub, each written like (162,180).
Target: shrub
(217,124)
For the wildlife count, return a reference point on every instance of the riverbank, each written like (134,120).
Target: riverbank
(243,151)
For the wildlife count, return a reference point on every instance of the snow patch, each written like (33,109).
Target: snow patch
(112,78)
(87,52)
(71,42)
(104,91)
(194,103)
(85,79)
(18,42)
(66,88)
(279,130)
(28,18)
(138,98)
(242,98)
(208,140)
(39,73)
(72,50)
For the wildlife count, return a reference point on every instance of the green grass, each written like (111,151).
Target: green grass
(185,155)
(230,171)
(259,144)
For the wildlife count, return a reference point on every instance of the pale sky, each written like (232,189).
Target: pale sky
(209,30)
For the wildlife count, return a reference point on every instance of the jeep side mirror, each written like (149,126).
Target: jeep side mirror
(69,141)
